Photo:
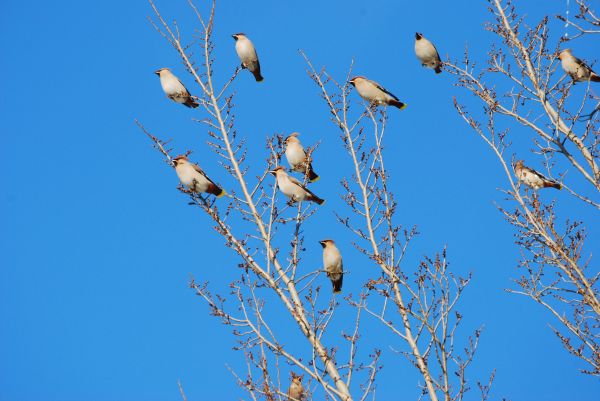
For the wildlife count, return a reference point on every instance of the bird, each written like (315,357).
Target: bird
(332,262)
(292,188)
(296,157)
(192,176)
(427,53)
(577,69)
(372,92)
(532,178)
(174,88)
(296,391)
(247,54)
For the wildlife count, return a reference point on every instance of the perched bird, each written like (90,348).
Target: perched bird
(247,54)
(532,178)
(174,88)
(192,176)
(372,92)
(292,188)
(294,153)
(427,53)
(296,391)
(332,261)
(576,68)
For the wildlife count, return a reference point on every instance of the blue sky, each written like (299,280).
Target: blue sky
(97,245)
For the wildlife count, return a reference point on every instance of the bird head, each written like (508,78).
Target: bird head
(519,164)
(325,242)
(293,137)
(296,378)
(276,170)
(157,72)
(353,80)
(563,53)
(179,160)
(237,36)
(418,36)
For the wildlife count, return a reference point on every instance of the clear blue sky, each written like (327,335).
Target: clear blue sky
(97,245)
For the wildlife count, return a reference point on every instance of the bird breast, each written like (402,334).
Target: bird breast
(425,50)
(171,85)
(295,155)
(370,92)
(331,258)
(191,178)
(291,190)
(531,179)
(245,50)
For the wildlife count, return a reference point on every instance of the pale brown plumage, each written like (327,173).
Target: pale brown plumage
(174,89)
(296,157)
(332,262)
(577,69)
(293,189)
(532,178)
(192,176)
(374,93)
(296,391)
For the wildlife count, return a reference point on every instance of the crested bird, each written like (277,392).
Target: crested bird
(576,68)
(292,188)
(296,391)
(247,54)
(296,157)
(192,176)
(332,262)
(372,92)
(532,178)
(427,53)
(174,89)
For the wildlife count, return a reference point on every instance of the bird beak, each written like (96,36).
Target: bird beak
(157,72)
(322,243)
(417,35)
(234,36)
(273,172)
(351,82)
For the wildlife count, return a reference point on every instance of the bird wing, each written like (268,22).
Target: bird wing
(381,88)
(437,54)
(582,64)
(539,175)
(200,171)
(187,93)
(296,182)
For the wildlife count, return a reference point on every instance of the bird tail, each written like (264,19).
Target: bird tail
(257,76)
(337,285)
(595,77)
(398,104)
(552,184)
(190,102)
(217,191)
(312,176)
(317,200)
(438,69)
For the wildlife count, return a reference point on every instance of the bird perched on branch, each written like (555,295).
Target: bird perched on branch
(174,88)
(292,188)
(577,69)
(296,391)
(372,92)
(532,178)
(296,157)
(332,262)
(247,54)
(192,176)
(427,53)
